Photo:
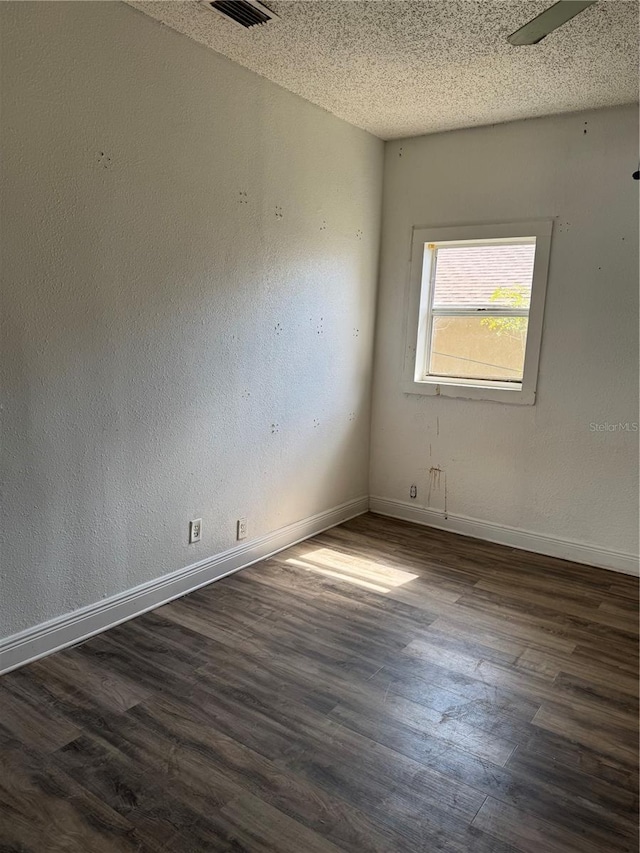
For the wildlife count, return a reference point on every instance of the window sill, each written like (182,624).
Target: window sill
(516,394)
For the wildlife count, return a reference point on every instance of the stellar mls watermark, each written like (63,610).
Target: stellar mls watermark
(618,426)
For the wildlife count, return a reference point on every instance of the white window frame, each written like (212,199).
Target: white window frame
(418,312)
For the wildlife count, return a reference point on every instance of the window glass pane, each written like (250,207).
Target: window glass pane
(486,347)
(484,276)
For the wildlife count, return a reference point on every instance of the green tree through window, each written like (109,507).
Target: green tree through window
(516,297)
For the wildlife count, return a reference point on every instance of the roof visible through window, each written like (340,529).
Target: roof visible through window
(484,276)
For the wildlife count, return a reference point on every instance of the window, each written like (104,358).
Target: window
(476,303)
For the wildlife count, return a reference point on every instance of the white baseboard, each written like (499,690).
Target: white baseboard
(565,549)
(48,637)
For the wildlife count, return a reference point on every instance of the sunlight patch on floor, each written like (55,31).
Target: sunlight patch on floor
(377,577)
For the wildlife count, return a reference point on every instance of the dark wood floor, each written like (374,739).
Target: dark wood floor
(381,688)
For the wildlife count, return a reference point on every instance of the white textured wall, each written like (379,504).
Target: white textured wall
(538,468)
(188,294)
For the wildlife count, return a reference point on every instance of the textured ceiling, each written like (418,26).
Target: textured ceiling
(404,68)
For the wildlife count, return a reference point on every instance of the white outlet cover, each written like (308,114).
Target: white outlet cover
(241,530)
(195,530)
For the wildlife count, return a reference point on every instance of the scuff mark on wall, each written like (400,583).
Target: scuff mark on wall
(437,483)
(445,495)
(434,481)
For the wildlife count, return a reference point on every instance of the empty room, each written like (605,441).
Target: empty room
(319,426)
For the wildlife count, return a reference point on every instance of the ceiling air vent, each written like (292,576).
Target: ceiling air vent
(249,13)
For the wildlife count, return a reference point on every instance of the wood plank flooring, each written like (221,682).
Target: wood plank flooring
(381,688)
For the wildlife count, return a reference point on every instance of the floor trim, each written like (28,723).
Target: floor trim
(48,637)
(566,549)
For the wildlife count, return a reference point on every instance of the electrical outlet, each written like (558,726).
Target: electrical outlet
(241,531)
(195,530)
(413,491)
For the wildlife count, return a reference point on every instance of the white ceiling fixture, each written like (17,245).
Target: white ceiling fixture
(555,16)
(406,67)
